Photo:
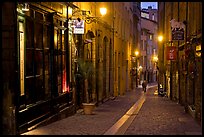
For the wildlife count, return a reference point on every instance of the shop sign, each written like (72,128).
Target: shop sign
(177,30)
(78,26)
(171,53)
(177,34)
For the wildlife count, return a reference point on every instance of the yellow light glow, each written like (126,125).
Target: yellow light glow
(160,38)
(103,11)
(136,53)
(69,11)
(155,58)
(140,67)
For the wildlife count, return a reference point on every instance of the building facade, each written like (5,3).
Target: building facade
(43,43)
(149,47)
(36,47)
(182,73)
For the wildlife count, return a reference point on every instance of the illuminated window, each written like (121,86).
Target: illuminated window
(150,36)
(38,58)
(153,18)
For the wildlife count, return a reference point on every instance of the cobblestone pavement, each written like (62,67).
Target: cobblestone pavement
(105,115)
(157,116)
(161,116)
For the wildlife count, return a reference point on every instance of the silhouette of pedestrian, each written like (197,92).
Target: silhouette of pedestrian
(144,85)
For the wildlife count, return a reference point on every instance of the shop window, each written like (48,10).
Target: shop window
(60,59)
(37,56)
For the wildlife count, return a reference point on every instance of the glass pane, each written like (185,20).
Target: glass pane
(29,33)
(55,39)
(59,40)
(64,77)
(29,88)
(59,64)
(29,62)
(59,73)
(39,87)
(46,37)
(39,35)
(47,72)
(47,86)
(63,46)
(59,81)
(47,59)
(39,62)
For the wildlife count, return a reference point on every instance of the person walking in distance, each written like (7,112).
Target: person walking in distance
(144,85)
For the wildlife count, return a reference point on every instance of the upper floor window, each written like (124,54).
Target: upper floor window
(153,17)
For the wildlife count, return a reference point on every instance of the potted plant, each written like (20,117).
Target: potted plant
(86,71)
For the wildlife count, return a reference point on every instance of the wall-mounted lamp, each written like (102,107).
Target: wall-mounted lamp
(160,38)
(103,11)
(155,58)
(89,20)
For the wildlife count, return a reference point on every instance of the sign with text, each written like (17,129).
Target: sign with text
(177,30)
(177,34)
(171,53)
(78,26)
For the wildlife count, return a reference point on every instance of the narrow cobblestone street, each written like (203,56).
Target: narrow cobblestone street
(161,116)
(157,116)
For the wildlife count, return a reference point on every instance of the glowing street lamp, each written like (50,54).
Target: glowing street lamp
(155,58)
(103,11)
(160,38)
(136,53)
(89,19)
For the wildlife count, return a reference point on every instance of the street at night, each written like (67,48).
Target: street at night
(101,68)
(155,115)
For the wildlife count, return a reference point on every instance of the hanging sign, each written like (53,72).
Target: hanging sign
(177,30)
(78,26)
(171,53)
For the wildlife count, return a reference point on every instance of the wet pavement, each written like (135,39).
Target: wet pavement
(135,113)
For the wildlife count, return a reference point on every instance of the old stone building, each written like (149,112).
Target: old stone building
(149,48)
(182,74)
(42,46)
